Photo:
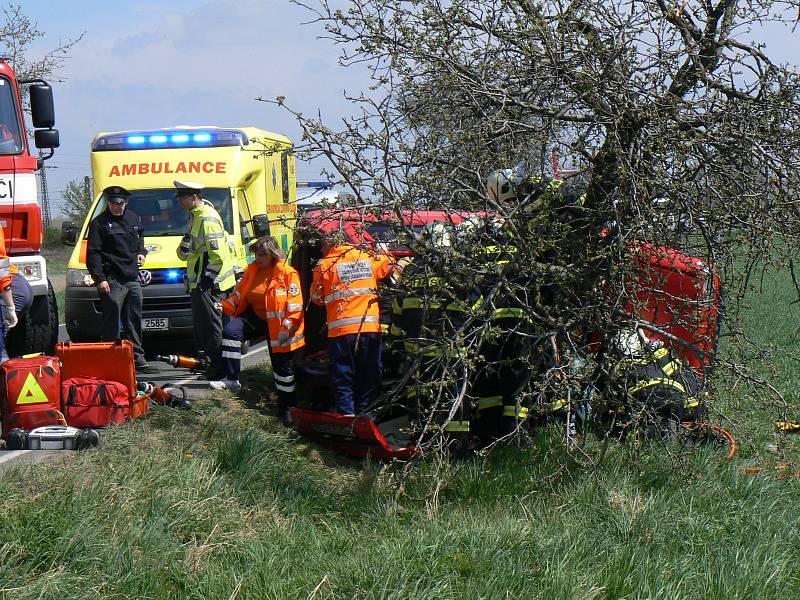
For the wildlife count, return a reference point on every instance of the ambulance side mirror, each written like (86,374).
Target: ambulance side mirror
(260,226)
(69,233)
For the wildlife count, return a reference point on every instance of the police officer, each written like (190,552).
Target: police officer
(114,253)
(209,270)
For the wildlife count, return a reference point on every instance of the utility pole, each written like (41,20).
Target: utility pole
(87,190)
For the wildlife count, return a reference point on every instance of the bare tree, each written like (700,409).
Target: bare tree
(686,129)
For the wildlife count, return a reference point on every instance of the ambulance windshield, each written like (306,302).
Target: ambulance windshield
(10,139)
(162,215)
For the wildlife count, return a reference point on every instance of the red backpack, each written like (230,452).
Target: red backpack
(90,402)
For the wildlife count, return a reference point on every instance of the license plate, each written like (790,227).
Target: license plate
(160,324)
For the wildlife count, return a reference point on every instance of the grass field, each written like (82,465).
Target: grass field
(221,502)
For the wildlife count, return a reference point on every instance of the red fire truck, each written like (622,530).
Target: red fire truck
(20,212)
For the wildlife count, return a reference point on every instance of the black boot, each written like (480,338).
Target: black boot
(283,413)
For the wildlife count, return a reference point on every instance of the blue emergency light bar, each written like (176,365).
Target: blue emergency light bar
(164,139)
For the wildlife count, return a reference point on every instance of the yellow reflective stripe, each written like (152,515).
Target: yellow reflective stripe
(691,402)
(671,367)
(499,249)
(457,306)
(520,412)
(661,353)
(384,328)
(457,426)
(413,303)
(396,309)
(489,402)
(503,313)
(657,381)
(556,405)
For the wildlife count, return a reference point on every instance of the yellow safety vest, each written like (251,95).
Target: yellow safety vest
(207,238)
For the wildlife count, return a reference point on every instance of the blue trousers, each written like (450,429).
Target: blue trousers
(355,371)
(247,326)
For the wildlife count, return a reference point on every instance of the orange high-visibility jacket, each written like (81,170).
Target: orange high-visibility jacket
(6,268)
(346,283)
(283,300)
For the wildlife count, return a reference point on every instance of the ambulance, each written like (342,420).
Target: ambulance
(249,177)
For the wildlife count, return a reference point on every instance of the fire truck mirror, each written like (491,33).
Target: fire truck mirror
(43,112)
(69,233)
(46,138)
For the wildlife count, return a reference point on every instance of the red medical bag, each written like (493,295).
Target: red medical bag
(30,393)
(90,402)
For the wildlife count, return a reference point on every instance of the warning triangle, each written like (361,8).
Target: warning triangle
(31,392)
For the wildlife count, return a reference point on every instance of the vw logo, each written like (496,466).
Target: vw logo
(145,277)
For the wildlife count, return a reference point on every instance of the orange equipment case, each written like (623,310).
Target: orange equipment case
(110,361)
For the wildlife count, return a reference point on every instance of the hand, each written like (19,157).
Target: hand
(11,318)
(218,307)
(283,337)
(103,287)
(140,259)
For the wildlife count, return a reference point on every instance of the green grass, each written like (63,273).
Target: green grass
(221,502)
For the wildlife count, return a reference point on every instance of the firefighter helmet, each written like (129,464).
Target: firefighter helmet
(502,185)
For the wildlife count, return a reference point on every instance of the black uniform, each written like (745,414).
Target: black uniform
(111,255)
(500,379)
(426,319)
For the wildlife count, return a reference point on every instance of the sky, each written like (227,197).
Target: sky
(144,65)
(151,64)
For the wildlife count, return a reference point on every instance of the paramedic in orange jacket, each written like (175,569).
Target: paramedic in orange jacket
(346,283)
(267,301)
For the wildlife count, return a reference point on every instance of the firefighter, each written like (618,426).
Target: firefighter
(506,341)
(267,301)
(209,270)
(654,386)
(427,320)
(114,252)
(345,282)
